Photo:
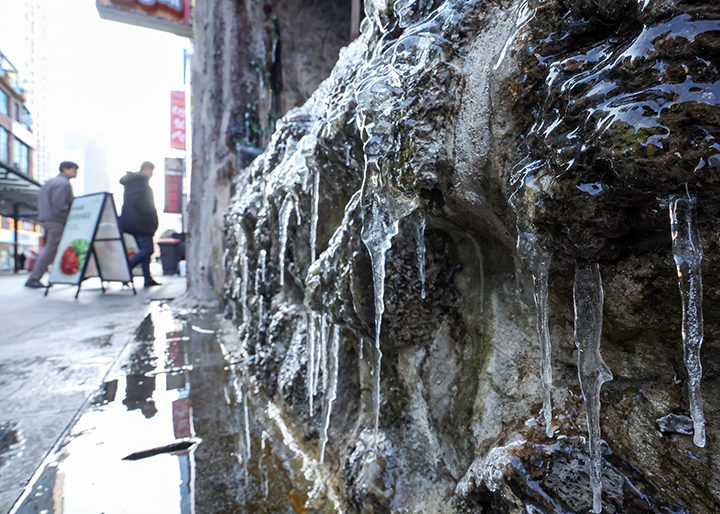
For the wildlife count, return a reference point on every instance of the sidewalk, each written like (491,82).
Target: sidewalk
(54,352)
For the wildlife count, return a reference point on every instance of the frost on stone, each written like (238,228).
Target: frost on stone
(592,370)
(688,253)
(488,470)
(675,424)
(538,260)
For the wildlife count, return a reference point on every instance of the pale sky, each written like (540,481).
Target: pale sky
(107,79)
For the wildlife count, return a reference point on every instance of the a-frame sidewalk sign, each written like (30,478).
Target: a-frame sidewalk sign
(92,245)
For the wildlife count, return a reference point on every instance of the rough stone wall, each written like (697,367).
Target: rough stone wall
(571,122)
(253,62)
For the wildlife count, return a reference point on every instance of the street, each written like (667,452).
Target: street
(55,352)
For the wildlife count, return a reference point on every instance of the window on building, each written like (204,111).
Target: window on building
(18,108)
(4,222)
(4,145)
(20,156)
(26,118)
(4,103)
(26,225)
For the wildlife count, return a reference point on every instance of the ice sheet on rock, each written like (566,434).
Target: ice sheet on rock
(538,260)
(592,370)
(688,253)
(675,424)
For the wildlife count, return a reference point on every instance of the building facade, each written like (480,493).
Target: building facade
(19,234)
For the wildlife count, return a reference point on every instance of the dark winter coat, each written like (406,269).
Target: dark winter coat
(139,216)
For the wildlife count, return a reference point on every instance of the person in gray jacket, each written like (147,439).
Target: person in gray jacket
(56,197)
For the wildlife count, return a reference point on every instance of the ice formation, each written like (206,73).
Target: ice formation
(592,370)
(330,393)
(420,238)
(538,260)
(285,211)
(688,253)
(314,217)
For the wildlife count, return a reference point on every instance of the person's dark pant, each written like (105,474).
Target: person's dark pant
(146,248)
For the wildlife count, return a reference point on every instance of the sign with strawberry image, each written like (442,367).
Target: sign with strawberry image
(91,245)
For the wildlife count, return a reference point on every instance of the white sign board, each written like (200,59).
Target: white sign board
(72,254)
(91,244)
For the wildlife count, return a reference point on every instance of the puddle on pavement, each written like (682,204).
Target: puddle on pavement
(11,441)
(173,400)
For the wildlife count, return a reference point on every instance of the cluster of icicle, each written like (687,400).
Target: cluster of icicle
(588,299)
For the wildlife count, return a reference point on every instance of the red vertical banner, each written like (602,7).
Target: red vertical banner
(174,170)
(177,120)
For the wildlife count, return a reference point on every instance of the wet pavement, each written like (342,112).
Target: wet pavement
(54,353)
(177,426)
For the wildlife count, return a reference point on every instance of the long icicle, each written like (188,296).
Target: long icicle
(315,215)
(592,370)
(379,227)
(420,242)
(538,260)
(285,211)
(331,393)
(311,334)
(688,254)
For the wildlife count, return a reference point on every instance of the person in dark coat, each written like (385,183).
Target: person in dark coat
(139,216)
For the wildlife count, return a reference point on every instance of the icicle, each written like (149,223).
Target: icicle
(592,370)
(688,253)
(246,415)
(263,265)
(260,279)
(379,227)
(362,346)
(244,293)
(322,358)
(331,392)
(312,333)
(420,238)
(539,263)
(314,218)
(285,211)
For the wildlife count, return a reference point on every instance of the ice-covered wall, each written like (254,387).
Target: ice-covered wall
(477,270)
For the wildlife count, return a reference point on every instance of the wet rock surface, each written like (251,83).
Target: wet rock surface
(576,122)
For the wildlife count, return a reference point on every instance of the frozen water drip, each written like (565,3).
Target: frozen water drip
(688,253)
(538,260)
(331,392)
(592,370)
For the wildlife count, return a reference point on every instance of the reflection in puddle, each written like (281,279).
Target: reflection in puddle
(193,431)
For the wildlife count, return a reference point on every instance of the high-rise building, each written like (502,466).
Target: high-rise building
(24,40)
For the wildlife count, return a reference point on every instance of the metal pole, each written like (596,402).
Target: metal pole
(355,20)
(16,217)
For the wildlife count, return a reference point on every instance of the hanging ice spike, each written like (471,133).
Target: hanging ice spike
(688,254)
(538,261)
(592,370)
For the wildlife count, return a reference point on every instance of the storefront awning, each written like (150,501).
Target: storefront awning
(18,193)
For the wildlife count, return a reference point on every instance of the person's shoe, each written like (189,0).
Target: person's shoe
(35,284)
(150,282)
